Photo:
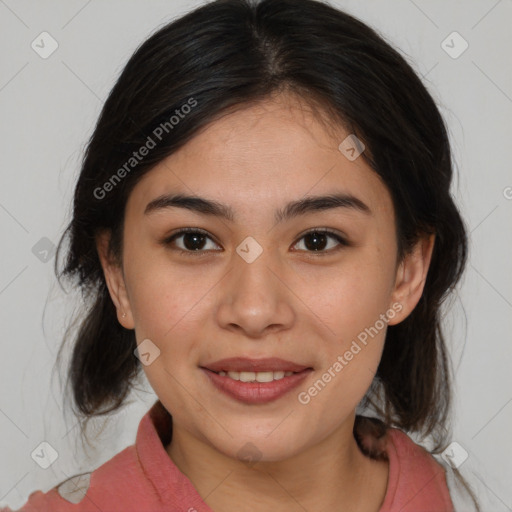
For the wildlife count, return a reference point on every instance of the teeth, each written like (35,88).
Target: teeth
(256,376)
(247,376)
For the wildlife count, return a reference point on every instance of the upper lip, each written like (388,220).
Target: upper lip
(243,364)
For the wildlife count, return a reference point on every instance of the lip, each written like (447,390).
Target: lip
(244,364)
(255,392)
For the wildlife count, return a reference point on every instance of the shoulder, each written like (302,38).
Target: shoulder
(417,481)
(118,484)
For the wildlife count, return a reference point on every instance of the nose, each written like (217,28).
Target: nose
(256,297)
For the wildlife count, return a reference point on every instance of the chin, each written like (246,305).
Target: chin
(260,446)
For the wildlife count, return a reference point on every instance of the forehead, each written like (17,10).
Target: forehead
(264,155)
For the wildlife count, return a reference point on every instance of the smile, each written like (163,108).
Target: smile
(255,388)
(255,376)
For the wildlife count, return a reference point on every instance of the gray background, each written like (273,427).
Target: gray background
(48,108)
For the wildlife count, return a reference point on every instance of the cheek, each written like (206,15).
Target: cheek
(350,301)
(166,306)
(161,293)
(350,297)
(351,354)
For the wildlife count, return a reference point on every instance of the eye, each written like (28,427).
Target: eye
(316,240)
(193,241)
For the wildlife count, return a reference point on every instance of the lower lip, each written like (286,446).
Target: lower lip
(256,392)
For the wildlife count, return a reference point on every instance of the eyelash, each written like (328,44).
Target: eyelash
(342,242)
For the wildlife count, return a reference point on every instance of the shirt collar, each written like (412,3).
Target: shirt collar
(153,435)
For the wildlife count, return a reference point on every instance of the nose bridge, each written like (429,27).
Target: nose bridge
(253,280)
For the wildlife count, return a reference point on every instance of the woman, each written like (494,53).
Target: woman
(263,225)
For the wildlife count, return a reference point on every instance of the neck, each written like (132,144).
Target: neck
(322,477)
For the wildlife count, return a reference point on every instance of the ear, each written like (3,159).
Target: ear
(410,278)
(114,278)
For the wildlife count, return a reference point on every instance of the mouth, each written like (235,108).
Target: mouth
(255,381)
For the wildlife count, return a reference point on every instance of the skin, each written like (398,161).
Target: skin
(290,303)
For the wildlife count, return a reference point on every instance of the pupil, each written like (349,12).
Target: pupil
(195,237)
(315,238)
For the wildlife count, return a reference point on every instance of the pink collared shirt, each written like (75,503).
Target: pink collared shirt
(143,478)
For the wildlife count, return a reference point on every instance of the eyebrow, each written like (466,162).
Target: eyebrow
(291,210)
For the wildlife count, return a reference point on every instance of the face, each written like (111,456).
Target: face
(257,284)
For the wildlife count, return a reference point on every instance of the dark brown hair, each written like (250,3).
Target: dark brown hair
(227,54)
